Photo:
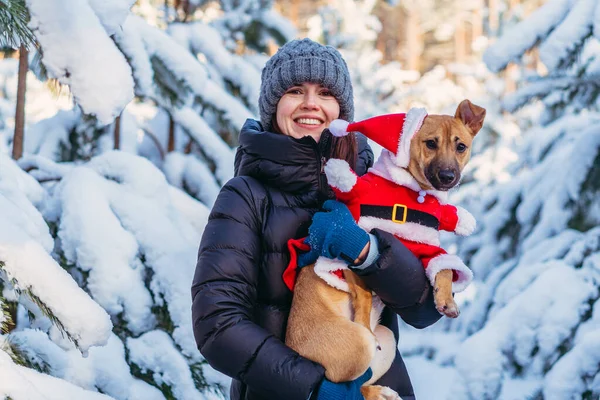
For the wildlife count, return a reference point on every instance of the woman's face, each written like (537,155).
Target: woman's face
(305,110)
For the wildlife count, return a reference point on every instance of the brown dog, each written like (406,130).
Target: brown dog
(336,323)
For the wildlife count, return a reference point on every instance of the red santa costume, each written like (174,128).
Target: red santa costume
(389,198)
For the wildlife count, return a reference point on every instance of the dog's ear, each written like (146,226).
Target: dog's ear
(470,115)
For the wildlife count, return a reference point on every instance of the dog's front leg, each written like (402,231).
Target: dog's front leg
(442,294)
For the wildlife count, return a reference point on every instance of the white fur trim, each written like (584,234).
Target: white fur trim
(466,222)
(323,268)
(386,168)
(409,230)
(340,175)
(339,127)
(412,123)
(450,261)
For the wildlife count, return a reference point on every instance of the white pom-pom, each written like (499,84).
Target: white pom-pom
(340,175)
(338,127)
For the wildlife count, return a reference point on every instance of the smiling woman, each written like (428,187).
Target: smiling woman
(241,303)
(306,110)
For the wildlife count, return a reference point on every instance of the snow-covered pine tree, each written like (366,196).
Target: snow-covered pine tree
(351,26)
(111,219)
(532,327)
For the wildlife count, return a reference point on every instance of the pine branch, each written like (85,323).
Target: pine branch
(47,311)
(5,317)
(14,31)
(14,351)
(172,90)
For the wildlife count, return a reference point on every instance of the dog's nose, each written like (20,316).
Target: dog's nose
(446,176)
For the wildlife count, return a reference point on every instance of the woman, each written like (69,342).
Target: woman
(240,302)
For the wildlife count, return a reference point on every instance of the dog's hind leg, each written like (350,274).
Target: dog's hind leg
(361,299)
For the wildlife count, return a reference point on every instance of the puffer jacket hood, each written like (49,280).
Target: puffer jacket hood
(289,164)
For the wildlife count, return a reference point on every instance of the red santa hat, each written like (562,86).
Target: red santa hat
(391,131)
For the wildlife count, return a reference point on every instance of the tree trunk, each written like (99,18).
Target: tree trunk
(117,133)
(17,150)
(171,142)
(493,17)
(460,40)
(414,45)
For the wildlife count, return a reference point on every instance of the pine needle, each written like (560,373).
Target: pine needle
(14,31)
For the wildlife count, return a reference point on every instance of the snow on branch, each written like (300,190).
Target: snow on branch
(19,382)
(211,142)
(105,368)
(112,13)
(155,353)
(526,33)
(25,242)
(79,53)
(527,333)
(186,171)
(202,38)
(568,36)
(184,68)
(597,22)
(119,222)
(567,378)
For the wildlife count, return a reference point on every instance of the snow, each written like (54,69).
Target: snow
(202,38)
(563,40)
(525,34)
(154,352)
(112,13)
(95,70)
(217,150)
(187,171)
(566,379)
(19,382)
(25,243)
(540,317)
(105,367)
(109,243)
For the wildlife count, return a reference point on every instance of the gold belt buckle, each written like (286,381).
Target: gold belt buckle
(395,213)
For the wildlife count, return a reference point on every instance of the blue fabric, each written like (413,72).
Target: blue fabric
(334,234)
(344,390)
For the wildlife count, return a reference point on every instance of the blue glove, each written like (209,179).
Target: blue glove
(334,234)
(345,390)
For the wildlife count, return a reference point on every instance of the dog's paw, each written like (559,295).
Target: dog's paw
(376,392)
(449,308)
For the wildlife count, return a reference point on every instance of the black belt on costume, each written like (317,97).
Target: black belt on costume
(400,214)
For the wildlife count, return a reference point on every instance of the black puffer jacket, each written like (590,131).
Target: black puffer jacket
(240,303)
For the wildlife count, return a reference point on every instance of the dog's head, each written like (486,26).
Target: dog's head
(442,147)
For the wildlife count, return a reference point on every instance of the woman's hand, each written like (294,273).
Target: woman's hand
(335,234)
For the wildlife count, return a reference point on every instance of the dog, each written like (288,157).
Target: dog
(335,321)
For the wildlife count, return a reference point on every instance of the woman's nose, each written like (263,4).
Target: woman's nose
(310,101)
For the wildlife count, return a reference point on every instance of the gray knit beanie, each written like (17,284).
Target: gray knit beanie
(301,61)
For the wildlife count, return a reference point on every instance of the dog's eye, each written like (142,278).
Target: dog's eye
(431,144)
(461,148)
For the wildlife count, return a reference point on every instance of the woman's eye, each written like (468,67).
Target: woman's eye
(326,93)
(461,148)
(431,144)
(294,91)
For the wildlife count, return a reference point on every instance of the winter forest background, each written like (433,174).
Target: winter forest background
(114,147)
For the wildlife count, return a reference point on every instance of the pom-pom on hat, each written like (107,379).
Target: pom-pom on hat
(391,131)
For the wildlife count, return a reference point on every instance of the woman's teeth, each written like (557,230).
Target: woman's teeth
(308,121)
